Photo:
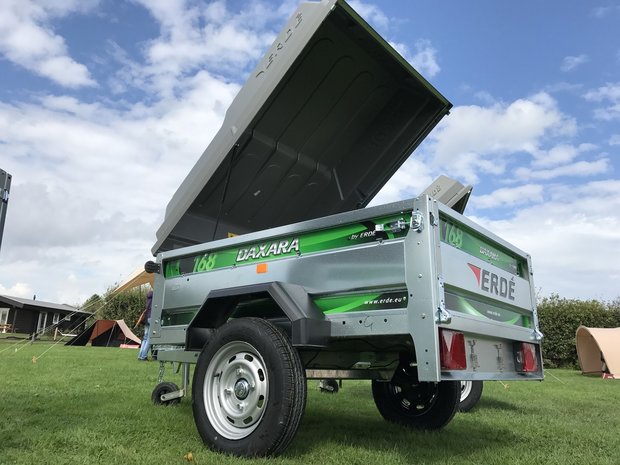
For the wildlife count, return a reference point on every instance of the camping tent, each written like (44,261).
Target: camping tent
(598,346)
(138,278)
(105,333)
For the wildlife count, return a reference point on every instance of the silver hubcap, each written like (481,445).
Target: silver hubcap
(235,390)
(242,389)
(465,389)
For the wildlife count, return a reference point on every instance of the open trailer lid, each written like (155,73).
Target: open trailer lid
(322,123)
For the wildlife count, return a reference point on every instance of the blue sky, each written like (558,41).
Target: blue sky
(106,105)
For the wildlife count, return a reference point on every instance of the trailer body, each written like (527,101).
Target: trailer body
(395,274)
(270,268)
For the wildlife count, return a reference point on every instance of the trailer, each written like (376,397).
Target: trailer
(271,269)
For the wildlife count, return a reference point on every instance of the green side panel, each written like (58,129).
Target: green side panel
(361,302)
(386,228)
(469,241)
(478,308)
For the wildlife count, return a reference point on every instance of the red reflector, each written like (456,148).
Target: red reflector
(452,350)
(526,360)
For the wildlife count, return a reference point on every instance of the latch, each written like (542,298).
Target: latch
(4,195)
(417,221)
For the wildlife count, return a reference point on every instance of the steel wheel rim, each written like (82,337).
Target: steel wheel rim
(415,399)
(465,389)
(235,390)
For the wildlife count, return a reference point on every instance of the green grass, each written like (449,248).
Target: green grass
(91,405)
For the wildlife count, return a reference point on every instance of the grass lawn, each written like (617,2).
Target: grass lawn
(91,405)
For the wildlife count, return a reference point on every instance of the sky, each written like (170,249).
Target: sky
(105,105)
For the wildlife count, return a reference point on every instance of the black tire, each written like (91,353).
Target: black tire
(414,404)
(249,389)
(470,395)
(329,386)
(164,388)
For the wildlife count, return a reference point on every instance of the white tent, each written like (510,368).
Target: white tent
(598,350)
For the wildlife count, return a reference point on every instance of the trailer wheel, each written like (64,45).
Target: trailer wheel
(164,388)
(470,395)
(249,389)
(411,403)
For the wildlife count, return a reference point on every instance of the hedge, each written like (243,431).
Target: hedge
(559,319)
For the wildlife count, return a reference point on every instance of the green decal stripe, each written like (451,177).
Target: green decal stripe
(361,302)
(460,237)
(343,304)
(474,307)
(311,242)
(320,240)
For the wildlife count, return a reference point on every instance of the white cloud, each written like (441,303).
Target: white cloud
(424,55)
(578,169)
(210,36)
(509,196)
(559,154)
(476,140)
(608,94)
(91,202)
(571,62)
(27,39)
(408,182)
(604,11)
(17,290)
(614,139)
(423,58)
(568,236)
(372,14)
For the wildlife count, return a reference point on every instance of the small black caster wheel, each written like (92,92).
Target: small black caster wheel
(164,388)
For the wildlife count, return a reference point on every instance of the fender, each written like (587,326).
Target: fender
(308,326)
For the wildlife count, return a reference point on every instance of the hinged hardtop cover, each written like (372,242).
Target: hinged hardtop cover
(322,123)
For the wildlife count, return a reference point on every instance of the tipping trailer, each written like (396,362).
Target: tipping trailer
(271,271)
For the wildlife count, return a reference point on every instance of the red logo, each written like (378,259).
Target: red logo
(493,283)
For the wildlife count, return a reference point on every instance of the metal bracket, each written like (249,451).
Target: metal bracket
(537,336)
(500,359)
(472,355)
(398,225)
(173,395)
(417,221)
(442,315)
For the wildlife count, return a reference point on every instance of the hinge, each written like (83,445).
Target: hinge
(443,316)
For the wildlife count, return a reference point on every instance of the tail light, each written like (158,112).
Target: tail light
(525,357)
(452,352)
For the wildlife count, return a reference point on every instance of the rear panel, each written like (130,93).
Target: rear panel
(488,292)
